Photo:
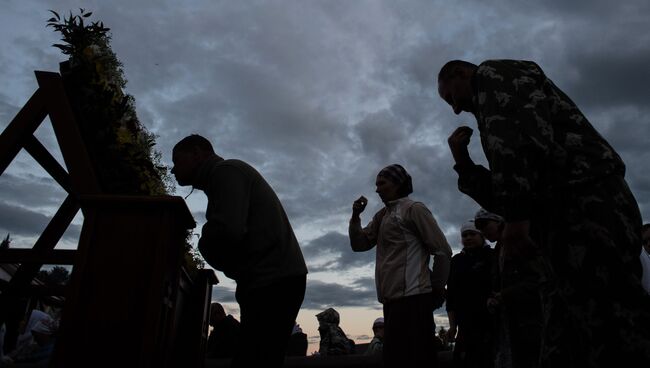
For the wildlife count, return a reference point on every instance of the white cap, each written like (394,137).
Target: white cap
(469,226)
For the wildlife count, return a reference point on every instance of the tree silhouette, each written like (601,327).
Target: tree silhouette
(56,276)
(6,242)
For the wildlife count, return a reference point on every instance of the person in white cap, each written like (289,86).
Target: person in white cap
(406,236)
(376,346)
(468,289)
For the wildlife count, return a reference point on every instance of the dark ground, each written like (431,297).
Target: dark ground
(345,361)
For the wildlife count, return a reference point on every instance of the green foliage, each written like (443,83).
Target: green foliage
(76,35)
(120,147)
(193,259)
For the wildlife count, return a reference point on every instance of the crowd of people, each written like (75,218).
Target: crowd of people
(562,287)
(566,283)
(554,269)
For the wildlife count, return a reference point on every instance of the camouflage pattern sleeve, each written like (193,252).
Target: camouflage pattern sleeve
(476,182)
(515,131)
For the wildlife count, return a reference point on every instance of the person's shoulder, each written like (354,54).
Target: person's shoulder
(507,63)
(236,163)
(417,207)
(234,167)
(458,257)
(500,69)
(487,252)
(379,214)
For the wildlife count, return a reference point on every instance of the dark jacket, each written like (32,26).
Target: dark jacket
(535,139)
(297,344)
(470,285)
(248,235)
(223,338)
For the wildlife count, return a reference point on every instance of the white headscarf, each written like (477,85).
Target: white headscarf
(35,318)
(45,327)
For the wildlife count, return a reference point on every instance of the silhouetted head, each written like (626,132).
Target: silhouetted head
(470,236)
(217,313)
(328,317)
(393,182)
(645,232)
(455,85)
(378,327)
(490,224)
(188,155)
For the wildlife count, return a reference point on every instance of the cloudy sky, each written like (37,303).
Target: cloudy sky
(320,95)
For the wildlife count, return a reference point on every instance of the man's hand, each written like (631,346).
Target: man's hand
(458,142)
(358,206)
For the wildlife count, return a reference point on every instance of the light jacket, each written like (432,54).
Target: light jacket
(406,235)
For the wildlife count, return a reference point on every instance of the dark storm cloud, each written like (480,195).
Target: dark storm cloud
(31,190)
(7,110)
(322,295)
(335,248)
(606,78)
(21,221)
(223,294)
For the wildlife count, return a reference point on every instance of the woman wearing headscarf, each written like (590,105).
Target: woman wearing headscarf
(26,344)
(25,337)
(42,346)
(406,236)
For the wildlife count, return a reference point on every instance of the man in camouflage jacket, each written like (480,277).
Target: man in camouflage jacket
(568,210)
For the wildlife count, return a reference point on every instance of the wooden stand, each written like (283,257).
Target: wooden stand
(126,302)
(130,302)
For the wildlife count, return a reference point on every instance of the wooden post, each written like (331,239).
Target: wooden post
(21,127)
(193,308)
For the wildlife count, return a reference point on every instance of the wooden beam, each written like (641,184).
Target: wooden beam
(49,163)
(47,241)
(21,127)
(67,133)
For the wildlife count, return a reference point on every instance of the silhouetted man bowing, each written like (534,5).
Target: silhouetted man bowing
(247,236)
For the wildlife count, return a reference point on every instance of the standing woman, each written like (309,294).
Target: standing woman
(406,235)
